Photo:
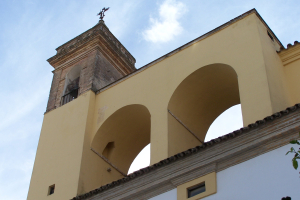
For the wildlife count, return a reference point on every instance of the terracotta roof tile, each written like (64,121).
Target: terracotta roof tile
(288,46)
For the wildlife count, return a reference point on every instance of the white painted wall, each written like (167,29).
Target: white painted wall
(267,177)
(170,195)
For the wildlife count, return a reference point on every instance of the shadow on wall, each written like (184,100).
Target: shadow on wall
(230,120)
(123,135)
(198,100)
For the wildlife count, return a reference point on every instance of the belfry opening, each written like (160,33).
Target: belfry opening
(71,88)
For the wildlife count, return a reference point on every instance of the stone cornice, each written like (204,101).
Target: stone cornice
(72,59)
(290,54)
(216,155)
(101,35)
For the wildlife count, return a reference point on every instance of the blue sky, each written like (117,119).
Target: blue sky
(32,29)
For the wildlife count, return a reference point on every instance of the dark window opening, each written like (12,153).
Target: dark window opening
(69,96)
(71,92)
(269,34)
(195,190)
(51,189)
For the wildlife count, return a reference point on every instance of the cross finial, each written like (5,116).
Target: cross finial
(101,13)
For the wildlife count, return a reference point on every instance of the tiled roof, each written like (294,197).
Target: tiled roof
(288,46)
(189,152)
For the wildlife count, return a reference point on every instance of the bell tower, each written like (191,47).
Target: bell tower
(82,66)
(99,117)
(90,61)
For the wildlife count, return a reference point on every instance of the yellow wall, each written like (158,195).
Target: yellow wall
(134,111)
(198,101)
(59,152)
(277,81)
(238,46)
(291,62)
(293,75)
(129,129)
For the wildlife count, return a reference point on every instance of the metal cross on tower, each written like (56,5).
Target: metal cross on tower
(101,13)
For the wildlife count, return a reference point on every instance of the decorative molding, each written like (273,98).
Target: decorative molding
(282,49)
(101,34)
(290,54)
(196,172)
(151,192)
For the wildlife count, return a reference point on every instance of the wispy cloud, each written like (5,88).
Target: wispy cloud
(166,26)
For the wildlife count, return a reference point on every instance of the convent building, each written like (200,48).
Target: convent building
(102,112)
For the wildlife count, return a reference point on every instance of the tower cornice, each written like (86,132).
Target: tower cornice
(100,35)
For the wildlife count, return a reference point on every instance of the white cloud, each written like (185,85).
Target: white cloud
(166,26)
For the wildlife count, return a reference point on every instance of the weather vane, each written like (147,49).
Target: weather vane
(101,13)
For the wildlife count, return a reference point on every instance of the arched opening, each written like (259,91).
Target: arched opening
(198,100)
(230,120)
(71,87)
(142,160)
(123,136)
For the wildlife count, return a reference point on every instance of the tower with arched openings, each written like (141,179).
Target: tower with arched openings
(102,111)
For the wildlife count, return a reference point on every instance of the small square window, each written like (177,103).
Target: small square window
(51,189)
(195,190)
(198,188)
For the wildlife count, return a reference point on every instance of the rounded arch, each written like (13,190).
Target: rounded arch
(197,101)
(123,135)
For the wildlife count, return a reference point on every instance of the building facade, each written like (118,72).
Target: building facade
(102,112)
